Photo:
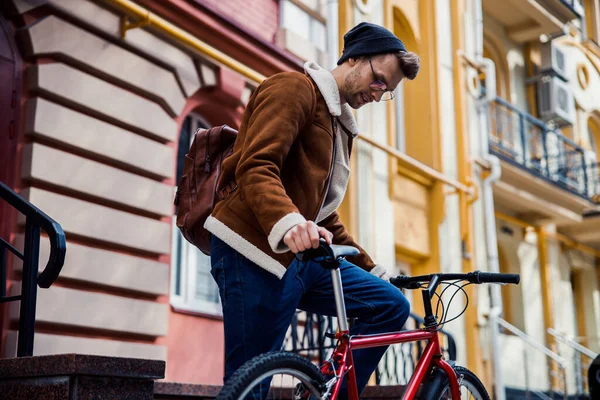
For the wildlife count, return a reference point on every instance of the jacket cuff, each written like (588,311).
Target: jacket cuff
(280,229)
(378,270)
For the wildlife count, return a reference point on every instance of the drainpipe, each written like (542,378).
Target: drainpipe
(488,198)
(332,33)
(494,266)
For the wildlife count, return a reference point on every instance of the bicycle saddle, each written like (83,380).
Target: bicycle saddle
(328,252)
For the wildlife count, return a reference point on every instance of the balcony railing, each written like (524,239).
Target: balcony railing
(306,336)
(35,221)
(527,142)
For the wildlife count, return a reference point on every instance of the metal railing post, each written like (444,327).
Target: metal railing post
(2,272)
(526,375)
(545,151)
(578,376)
(35,221)
(585,179)
(29,289)
(523,139)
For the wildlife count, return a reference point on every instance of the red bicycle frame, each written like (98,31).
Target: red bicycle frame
(432,356)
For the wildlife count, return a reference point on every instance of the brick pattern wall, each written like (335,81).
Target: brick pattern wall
(258,16)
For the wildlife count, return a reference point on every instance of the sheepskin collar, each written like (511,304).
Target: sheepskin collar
(328,88)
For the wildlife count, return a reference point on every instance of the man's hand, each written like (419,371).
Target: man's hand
(305,236)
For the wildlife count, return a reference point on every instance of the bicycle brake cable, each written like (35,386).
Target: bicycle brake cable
(460,288)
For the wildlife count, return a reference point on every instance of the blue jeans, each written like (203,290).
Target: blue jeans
(258,307)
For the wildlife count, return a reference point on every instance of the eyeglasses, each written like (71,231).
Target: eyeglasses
(379,85)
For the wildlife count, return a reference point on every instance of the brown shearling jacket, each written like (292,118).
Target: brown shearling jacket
(281,164)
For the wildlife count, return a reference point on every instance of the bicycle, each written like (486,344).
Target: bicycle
(433,377)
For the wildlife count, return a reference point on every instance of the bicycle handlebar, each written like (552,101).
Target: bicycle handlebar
(477,277)
(332,253)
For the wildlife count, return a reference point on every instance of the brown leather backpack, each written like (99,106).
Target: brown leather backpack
(197,189)
(197,192)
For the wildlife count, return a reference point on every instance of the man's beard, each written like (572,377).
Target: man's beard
(349,90)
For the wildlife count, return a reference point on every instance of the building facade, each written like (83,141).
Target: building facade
(488,160)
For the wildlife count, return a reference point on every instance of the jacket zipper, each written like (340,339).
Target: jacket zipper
(207,159)
(324,195)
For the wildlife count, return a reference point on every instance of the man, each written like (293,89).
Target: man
(287,175)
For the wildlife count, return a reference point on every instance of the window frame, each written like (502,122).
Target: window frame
(183,275)
(314,17)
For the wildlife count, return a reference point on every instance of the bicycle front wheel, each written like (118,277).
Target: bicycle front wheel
(470,387)
(277,375)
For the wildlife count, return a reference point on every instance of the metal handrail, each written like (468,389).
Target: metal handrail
(58,241)
(573,344)
(580,367)
(527,116)
(529,340)
(35,221)
(562,363)
(528,142)
(426,170)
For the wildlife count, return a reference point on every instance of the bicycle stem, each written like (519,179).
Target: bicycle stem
(427,295)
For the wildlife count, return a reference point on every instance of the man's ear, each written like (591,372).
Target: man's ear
(353,61)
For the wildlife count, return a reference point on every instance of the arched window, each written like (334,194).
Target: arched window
(509,240)
(593,172)
(593,129)
(192,287)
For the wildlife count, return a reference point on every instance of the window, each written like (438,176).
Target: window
(592,19)
(512,296)
(192,287)
(308,24)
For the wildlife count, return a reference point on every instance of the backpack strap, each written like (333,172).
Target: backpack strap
(349,134)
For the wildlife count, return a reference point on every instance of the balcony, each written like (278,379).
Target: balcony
(526,20)
(559,170)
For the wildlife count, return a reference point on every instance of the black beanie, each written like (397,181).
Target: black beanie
(367,39)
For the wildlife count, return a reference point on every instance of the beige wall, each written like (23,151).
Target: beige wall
(101,124)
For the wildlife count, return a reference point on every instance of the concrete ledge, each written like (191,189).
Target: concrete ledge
(175,390)
(81,364)
(78,376)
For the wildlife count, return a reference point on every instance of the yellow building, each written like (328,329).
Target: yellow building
(499,139)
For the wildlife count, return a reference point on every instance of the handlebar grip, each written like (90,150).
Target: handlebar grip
(491,277)
(404,282)
(398,280)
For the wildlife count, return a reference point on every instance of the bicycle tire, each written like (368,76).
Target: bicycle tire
(254,371)
(469,381)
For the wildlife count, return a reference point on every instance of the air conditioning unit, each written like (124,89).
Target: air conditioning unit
(553,60)
(579,8)
(555,101)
